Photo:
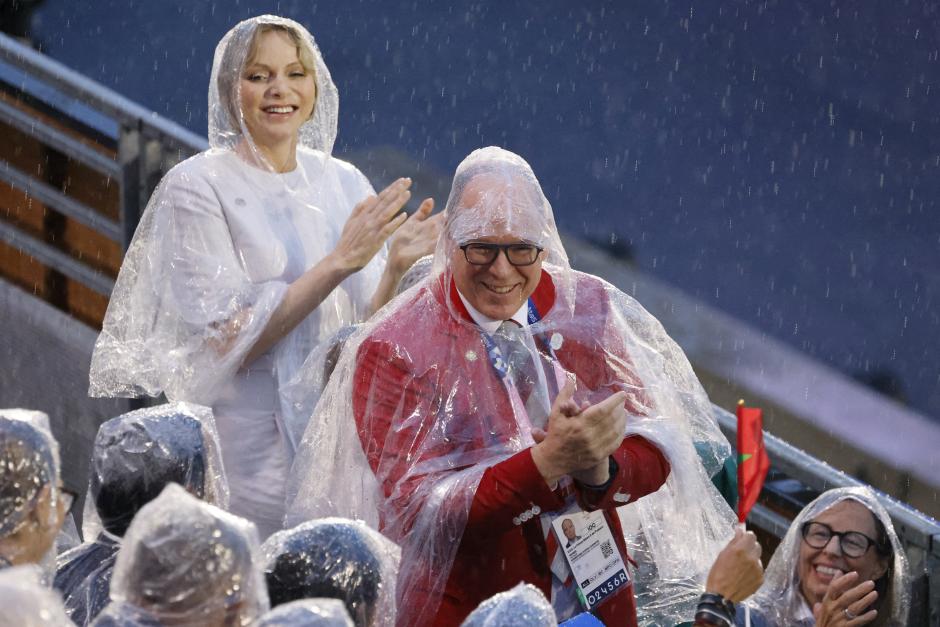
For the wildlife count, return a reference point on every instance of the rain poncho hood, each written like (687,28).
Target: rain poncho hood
(334,558)
(779,599)
(26,602)
(414,414)
(185,562)
(223,236)
(138,453)
(135,456)
(227,126)
(30,464)
(522,606)
(307,613)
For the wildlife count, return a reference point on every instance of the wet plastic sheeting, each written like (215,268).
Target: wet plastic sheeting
(83,576)
(523,606)
(186,562)
(223,237)
(411,452)
(29,478)
(339,559)
(779,598)
(777,160)
(308,613)
(137,454)
(200,281)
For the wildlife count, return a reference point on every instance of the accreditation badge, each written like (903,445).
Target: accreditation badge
(594,559)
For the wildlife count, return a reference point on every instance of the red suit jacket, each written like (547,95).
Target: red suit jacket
(422,375)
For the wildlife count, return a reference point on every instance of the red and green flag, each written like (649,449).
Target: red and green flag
(752,458)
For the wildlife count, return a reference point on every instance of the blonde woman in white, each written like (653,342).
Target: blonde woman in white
(252,253)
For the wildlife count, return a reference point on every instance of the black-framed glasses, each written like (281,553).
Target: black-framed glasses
(483,253)
(852,543)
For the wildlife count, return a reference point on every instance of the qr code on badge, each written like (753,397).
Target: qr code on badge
(606,550)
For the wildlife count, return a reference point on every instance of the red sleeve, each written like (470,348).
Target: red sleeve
(514,487)
(642,469)
(393,409)
(385,395)
(509,491)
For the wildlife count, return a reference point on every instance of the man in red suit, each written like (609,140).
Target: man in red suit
(476,453)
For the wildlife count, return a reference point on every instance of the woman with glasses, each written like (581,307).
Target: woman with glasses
(840,564)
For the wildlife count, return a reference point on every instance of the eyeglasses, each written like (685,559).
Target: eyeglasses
(852,543)
(483,254)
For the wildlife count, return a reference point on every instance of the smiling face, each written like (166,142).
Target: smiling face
(499,289)
(818,567)
(278,92)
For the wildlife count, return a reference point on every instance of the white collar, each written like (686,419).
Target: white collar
(804,612)
(489,325)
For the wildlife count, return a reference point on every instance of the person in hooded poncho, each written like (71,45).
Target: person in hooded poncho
(185,562)
(334,558)
(136,455)
(26,602)
(32,506)
(251,253)
(307,613)
(840,563)
(463,449)
(521,606)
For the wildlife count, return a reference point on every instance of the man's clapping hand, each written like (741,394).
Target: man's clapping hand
(579,438)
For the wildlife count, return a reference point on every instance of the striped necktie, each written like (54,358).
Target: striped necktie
(520,356)
(522,369)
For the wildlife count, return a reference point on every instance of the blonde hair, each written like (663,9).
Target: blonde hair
(304,53)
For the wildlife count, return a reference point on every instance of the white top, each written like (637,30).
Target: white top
(211,260)
(292,234)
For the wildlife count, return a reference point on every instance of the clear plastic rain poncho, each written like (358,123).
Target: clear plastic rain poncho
(135,456)
(30,466)
(26,602)
(185,562)
(307,613)
(301,394)
(779,600)
(523,606)
(335,558)
(222,238)
(432,415)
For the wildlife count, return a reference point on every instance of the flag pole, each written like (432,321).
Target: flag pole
(742,525)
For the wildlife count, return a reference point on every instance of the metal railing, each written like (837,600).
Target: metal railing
(147,145)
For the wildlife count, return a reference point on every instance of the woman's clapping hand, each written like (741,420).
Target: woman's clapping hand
(370,224)
(415,239)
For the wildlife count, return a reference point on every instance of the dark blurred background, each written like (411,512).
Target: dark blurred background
(779,160)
